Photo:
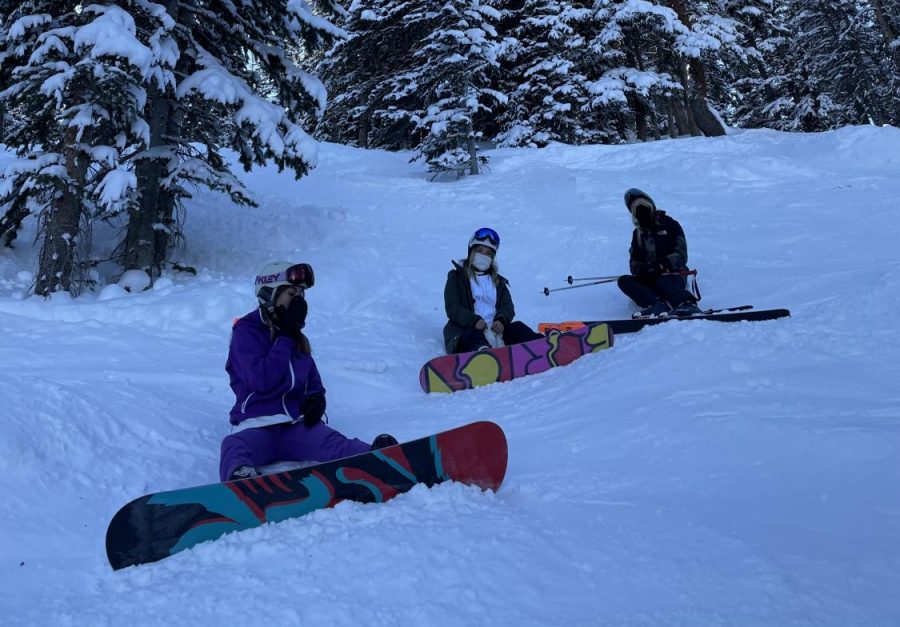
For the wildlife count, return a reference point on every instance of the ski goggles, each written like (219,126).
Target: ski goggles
(485,234)
(299,274)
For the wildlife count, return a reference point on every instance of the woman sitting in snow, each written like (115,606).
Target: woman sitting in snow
(477,301)
(658,247)
(280,400)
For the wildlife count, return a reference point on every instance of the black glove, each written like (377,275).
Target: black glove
(650,270)
(292,319)
(313,408)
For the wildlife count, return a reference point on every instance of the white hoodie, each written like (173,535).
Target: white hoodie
(485,294)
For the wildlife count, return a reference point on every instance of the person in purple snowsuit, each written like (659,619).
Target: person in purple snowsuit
(279,396)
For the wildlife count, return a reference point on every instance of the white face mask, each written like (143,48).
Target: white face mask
(481,261)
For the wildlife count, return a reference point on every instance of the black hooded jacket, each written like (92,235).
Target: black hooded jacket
(664,244)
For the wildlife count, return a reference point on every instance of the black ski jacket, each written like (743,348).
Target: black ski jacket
(663,245)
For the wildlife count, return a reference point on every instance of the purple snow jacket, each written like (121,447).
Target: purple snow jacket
(268,378)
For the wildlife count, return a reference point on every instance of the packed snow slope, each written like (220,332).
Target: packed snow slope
(698,473)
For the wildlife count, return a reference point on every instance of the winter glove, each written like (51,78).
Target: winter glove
(650,270)
(292,319)
(313,408)
(497,327)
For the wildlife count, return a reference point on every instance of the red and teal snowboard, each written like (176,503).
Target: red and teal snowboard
(451,373)
(155,526)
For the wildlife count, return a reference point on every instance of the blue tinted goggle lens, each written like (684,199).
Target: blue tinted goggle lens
(488,234)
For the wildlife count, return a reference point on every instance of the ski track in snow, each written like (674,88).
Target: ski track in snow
(698,473)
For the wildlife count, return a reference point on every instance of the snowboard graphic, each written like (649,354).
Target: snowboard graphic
(155,526)
(633,325)
(451,373)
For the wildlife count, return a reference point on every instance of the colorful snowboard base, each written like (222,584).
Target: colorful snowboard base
(155,526)
(463,371)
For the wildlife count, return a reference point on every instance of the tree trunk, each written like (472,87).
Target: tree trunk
(679,104)
(654,115)
(633,46)
(147,239)
(365,119)
(164,238)
(640,116)
(694,80)
(683,106)
(670,115)
(140,239)
(706,120)
(473,152)
(60,224)
(683,124)
(888,29)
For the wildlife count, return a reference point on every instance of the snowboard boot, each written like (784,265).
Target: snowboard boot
(687,308)
(383,440)
(659,308)
(243,472)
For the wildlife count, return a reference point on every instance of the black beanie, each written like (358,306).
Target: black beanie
(633,194)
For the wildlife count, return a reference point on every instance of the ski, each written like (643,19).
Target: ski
(743,313)
(724,309)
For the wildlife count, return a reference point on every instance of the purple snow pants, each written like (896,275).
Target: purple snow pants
(285,442)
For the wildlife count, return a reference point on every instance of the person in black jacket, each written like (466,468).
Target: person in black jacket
(658,246)
(479,307)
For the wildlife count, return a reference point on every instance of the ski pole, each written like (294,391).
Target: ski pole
(598,280)
(547,290)
(570,279)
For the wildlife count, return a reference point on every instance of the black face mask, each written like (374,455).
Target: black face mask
(643,215)
(293,317)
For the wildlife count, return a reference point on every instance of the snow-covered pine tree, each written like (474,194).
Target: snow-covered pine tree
(887,14)
(4,79)
(549,95)
(797,100)
(121,108)
(76,75)
(360,72)
(749,84)
(236,87)
(452,77)
(637,84)
(705,35)
(832,72)
(754,21)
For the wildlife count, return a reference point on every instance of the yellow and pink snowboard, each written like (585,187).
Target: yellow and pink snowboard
(451,373)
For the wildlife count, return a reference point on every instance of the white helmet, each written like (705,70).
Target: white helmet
(485,236)
(279,273)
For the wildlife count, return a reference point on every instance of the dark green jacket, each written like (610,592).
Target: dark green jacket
(460,305)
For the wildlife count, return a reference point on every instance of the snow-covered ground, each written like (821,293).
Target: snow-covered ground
(696,474)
